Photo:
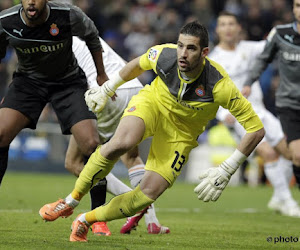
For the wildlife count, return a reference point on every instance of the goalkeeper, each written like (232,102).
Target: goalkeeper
(174,109)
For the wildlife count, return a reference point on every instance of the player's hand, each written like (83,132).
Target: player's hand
(246,91)
(212,183)
(97,97)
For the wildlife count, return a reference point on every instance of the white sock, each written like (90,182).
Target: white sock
(275,174)
(287,166)
(71,201)
(115,186)
(82,219)
(136,174)
(150,216)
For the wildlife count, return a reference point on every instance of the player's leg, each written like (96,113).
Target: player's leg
(86,136)
(151,187)
(294,146)
(12,122)
(282,200)
(20,108)
(100,164)
(164,165)
(102,161)
(136,170)
(285,158)
(290,121)
(74,163)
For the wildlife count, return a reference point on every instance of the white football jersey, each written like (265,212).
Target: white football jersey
(109,118)
(237,63)
(113,63)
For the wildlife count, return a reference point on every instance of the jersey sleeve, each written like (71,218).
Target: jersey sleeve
(148,60)
(268,54)
(83,27)
(227,95)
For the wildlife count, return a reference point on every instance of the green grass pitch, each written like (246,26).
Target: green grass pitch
(238,220)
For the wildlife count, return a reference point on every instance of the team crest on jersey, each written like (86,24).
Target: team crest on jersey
(152,54)
(200,91)
(131,109)
(54,30)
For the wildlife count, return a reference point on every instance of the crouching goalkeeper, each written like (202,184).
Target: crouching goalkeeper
(174,109)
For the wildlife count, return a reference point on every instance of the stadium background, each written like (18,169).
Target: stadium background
(130,27)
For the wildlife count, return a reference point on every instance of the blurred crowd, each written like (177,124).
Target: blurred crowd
(130,27)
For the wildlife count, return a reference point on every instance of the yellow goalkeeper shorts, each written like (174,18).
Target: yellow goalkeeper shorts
(170,147)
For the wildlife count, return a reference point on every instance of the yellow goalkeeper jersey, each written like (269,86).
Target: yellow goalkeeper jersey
(193,103)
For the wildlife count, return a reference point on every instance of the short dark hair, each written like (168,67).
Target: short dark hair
(227,13)
(198,30)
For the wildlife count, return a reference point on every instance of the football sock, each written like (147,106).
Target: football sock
(121,206)
(275,174)
(3,161)
(287,168)
(98,194)
(150,216)
(115,186)
(82,218)
(72,202)
(296,170)
(96,169)
(136,174)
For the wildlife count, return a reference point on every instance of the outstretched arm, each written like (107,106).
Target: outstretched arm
(97,97)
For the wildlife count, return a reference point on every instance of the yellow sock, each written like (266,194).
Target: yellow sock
(121,206)
(90,217)
(77,196)
(96,169)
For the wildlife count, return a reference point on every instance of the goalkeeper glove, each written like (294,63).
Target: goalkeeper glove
(97,97)
(214,180)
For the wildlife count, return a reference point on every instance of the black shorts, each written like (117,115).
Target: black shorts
(290,122)
(29,96)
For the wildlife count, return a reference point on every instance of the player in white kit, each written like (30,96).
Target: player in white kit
(107,121)
(236,56)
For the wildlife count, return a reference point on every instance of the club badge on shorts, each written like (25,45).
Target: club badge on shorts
(54,30)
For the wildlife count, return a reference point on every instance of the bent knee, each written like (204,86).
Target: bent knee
(269,155)
(90,146)
(123,144)
(4,139)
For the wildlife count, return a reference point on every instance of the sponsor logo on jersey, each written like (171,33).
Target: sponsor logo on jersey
(291,56)
(200,91)
(41,48)
(289,38)
(54,31)
(163,72)
(152,54)
(131,109)
(19,32)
